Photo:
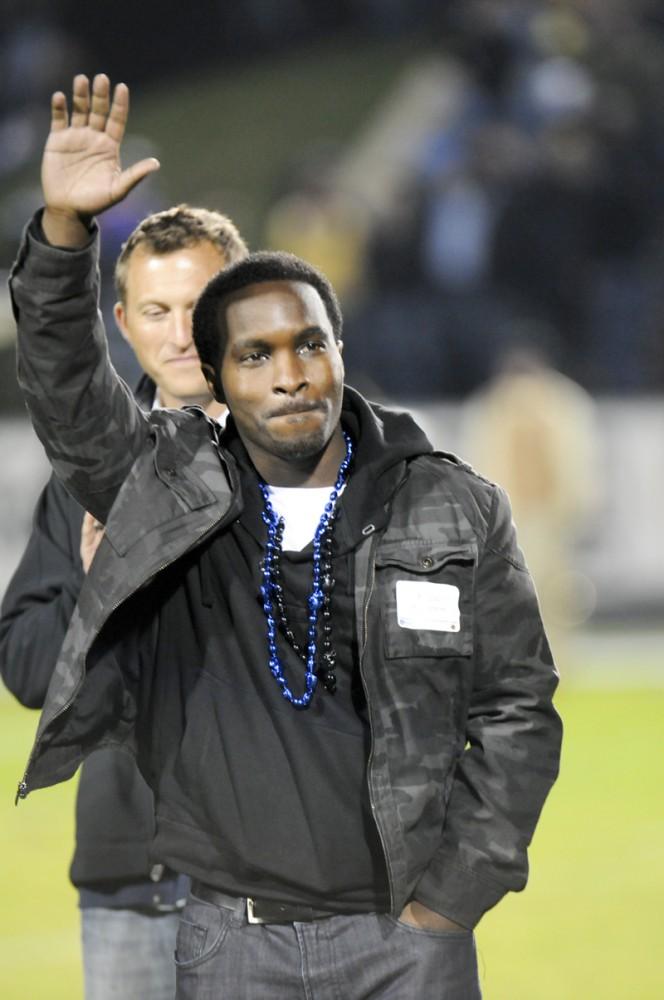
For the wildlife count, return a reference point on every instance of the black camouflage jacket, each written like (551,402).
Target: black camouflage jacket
(465,739)
(114,807)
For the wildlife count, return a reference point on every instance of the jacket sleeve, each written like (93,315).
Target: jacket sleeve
(41,595)
(513,736)
(83,413)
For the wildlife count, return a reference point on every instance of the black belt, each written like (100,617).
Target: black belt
(259,911)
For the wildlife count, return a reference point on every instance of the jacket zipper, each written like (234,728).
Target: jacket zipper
(365,630)
(22,789)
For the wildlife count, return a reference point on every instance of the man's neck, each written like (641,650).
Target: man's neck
(318,470)
(215,409)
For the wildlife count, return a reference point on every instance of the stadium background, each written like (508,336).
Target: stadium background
(473,177)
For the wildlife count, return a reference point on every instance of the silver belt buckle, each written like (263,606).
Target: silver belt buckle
(251,918)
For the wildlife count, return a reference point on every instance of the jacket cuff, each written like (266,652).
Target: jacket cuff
(457,893)
(56,266)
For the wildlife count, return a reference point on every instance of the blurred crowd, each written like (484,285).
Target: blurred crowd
(529,208)
(515,199)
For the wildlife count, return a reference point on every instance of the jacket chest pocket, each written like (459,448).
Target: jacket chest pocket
(426,599)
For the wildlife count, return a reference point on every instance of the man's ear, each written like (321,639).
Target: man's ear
(340,345)
(213,381)
(121,320)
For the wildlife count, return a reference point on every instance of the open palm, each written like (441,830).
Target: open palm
(81,170)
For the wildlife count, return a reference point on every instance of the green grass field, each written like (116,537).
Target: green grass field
(588,925)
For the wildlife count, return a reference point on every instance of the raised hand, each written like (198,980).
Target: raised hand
(81,171)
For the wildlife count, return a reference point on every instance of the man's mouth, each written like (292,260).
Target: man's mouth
(183,359)
(293,409)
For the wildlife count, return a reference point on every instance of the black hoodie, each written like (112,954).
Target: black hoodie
(256,797)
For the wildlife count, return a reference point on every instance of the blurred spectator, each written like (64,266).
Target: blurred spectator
(538,193)
(531,429)
(315,219)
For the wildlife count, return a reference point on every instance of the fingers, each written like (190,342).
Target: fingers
(92,531)
(59,116)
(88,524)
(91,524)
(92,110)
(130,177)
(101,92)
(117,119)
(80,101)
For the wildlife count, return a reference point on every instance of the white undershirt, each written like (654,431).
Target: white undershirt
(301,508)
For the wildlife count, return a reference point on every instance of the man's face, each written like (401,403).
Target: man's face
(282,372)
(156,317)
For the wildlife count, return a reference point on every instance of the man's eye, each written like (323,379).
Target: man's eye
(252,358)
(312,346)
(154,313)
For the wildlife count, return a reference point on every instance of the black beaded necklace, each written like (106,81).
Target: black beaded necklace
(318,602)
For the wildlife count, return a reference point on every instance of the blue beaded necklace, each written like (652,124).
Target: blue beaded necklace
(318,600)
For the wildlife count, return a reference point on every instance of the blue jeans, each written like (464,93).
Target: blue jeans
(128,955)
(219,956)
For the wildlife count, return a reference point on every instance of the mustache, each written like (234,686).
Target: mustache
(294,407)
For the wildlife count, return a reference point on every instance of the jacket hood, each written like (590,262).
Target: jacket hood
(385,440)
(385,436)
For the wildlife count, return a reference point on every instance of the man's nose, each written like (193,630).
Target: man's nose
(181,329)
(289,375)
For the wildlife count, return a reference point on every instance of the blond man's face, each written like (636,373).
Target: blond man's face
(156,317)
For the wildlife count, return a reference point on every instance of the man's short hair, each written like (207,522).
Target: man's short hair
(179,228)
(256,268)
